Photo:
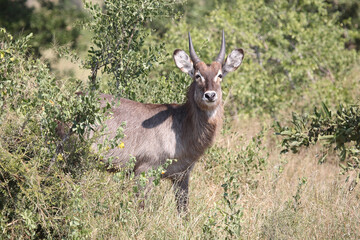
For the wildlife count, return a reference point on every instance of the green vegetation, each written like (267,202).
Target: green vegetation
(118,47)
(50,24)
(341,129)
(299,55)
(34,190)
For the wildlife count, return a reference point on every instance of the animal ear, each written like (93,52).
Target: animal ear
(233,61)
(182,61)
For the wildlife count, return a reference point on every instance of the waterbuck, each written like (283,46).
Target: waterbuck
(157,132)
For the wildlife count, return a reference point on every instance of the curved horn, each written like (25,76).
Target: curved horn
(193,55)
(221,56)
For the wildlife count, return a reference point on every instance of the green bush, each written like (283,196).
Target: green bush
(288,46)
(51,23)
(118,50)
(340,130)
(39,161)
(45,146)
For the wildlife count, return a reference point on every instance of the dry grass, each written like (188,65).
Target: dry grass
(326,209)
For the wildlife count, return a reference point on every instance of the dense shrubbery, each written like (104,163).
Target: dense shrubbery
(119,50)
(45,151)
(52,23)
(288,46)
(39,161)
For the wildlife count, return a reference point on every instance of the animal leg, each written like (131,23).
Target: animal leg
(181,189)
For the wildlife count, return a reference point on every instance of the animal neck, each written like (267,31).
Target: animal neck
(202,118)
(200,126)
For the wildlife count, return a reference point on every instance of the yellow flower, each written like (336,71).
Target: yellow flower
(60,157)
(52,103)
(121,145)
(1,55)
(163,172)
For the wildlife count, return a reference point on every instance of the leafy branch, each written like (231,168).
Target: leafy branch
(341,129)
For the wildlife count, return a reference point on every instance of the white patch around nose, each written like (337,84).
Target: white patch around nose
(216,76)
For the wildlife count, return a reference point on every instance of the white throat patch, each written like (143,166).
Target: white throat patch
(211,113)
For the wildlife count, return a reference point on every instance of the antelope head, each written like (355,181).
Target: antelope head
(207,77)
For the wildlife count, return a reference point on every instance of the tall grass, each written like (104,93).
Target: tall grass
(292,197)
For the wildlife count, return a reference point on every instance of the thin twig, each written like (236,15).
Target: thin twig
(131,37)
(128,47)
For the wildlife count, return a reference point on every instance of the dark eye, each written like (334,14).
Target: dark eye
(197,76)
(220,76)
